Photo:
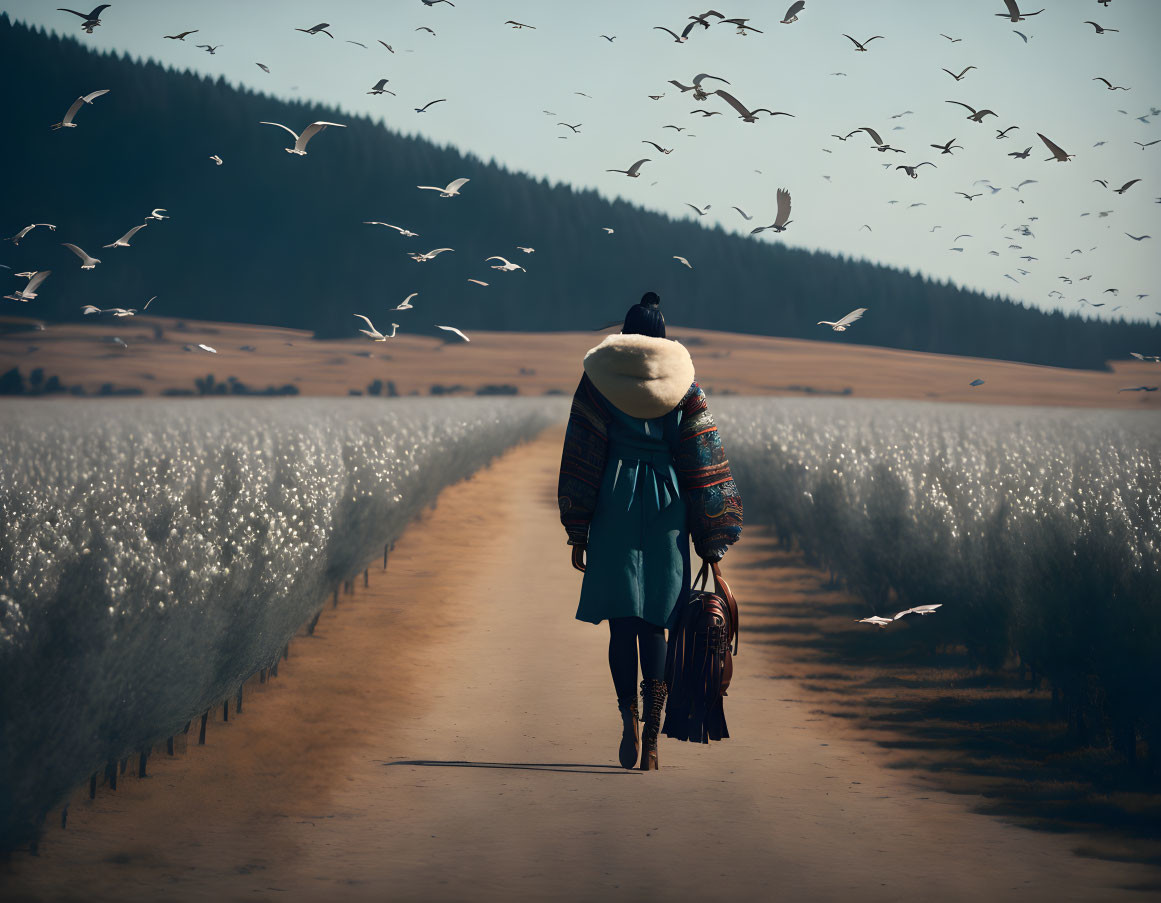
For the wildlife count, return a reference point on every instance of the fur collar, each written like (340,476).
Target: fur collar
(643,376)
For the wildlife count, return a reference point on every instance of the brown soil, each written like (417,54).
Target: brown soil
(535,363)
(450,733)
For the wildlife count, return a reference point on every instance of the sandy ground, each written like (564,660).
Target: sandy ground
(450,733)
(535,363)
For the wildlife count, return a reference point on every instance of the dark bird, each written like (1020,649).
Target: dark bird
(1138,237)
(975,116)
(782,218)
(434,2)
(378,88)
(321,27)
(1099,30)
(1137,388)
(961,75)
(703,19)
(747,115)
(1013,14)
(706,113)
(1003,133)
(575,128)
(1110,85)
(676,128)
(516,24)
(699,93)
(1057,151)
(698,210)
(358,44)
(609,38)
(969,196)
(1021,155)
(680,39)
(1021,34)
(633,171)
(745,215)
(1147,144)
(879,145)
(390,49)
(423,109)
(792,13)
(1126,186)
(179,37)
(950,38)
(211,49)
(430,31)
(910,170)
(664,150)
(861,46)
(741,26)
(91,20)
(947,148)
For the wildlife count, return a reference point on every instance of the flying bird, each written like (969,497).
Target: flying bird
(861,45)
(430,31)
(1013,14)
(1021,34)
(976,116)
(123,241)
(28,293)
(1057,151)
(516,24)
(378,88)
(575,128)
(1126,186)
(970,196)
(699,211)
(961,75)
(505,265)
(1099,30)
(1138,237)
(1138,389)
(1110,85)
(950,38)
(1147,144)
(874,619)
(910,170)
(608,38)
(423,109)
(1003,133)
(451,190)
(664,150)
(680,39)
(782,217)
(15,239)
(633,171)
(90,20)
(456,331)
(67,122)
(406,233)
(792,13)
(374,334)
(747,115)
(216,159)
(211,49)
(879,145)
(87,262)
(198,347)
(841,325)
(947,148)
(300,141)
(681,259)
(406,305)
(927,609)
(1021,155)
(745,215)
(526,250)
(698,92)
(263,67)
(430,255)
(321,27)
(179,37)
(741,25)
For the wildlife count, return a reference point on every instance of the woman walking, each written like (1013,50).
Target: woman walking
(642,470)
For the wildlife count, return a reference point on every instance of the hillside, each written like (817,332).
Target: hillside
(273,238)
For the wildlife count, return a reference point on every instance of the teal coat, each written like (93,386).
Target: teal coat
(638,541)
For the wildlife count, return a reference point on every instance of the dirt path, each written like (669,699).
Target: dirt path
(450,733)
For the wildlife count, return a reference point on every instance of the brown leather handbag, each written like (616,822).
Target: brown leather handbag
(698,661)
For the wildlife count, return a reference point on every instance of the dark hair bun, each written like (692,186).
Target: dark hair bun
(651,299)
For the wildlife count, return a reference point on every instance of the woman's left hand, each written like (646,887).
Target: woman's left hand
(578,557)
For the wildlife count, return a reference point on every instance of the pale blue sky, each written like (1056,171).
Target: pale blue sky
(498,80)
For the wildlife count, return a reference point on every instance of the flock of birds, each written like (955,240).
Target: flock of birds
(699,90)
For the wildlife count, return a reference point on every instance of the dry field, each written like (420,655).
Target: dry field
(534,363)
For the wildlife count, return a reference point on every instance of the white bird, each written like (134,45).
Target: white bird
(300,141)
(841,325)
(456,331)
(28,293)
(123,241)
(15,239)
(917,610)
(430,255)
(157,214)
(874,619)
(450,191)
(506,265)
(607,229)
(683,260)
(526,250)
(216,159)
(67,122)
(406,305)
(115,311)
(478,282)
(374,334)
(87,262)
(406,233)
(200,347)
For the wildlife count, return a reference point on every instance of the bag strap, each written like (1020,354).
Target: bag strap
(723,589)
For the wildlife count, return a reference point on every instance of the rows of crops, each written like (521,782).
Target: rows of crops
(1039,530)
(153,556)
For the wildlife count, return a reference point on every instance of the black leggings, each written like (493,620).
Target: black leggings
(625,636)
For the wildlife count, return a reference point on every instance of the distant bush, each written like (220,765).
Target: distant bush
(497,390)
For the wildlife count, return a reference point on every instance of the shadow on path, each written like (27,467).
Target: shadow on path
(561,767)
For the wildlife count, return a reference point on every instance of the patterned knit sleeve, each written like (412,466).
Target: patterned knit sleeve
(582,464)
(715,507)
